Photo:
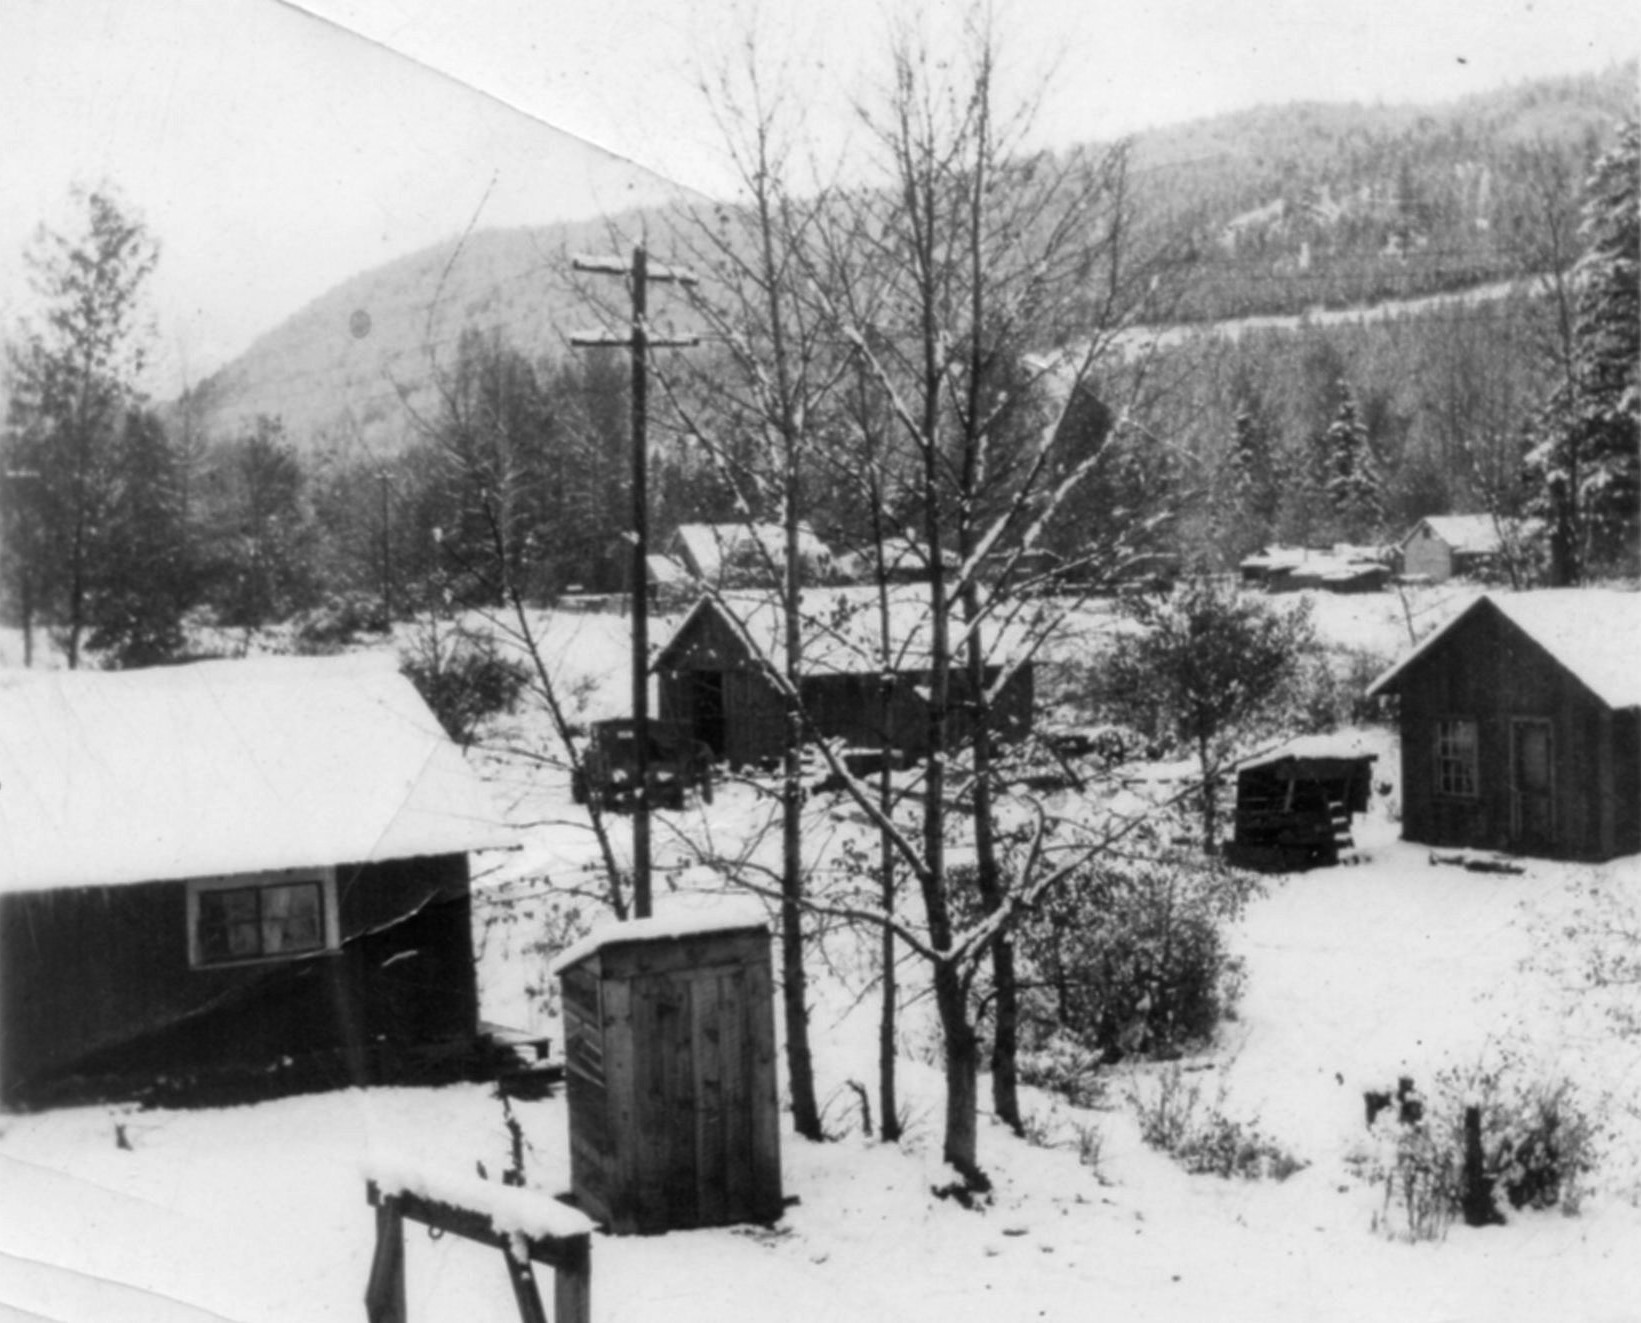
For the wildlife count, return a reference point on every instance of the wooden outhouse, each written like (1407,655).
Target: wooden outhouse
(669,1033)
(1521,726)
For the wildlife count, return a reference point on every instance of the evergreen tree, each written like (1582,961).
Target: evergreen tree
(1587,452)
(1354,490)
(143,581)
(74,385)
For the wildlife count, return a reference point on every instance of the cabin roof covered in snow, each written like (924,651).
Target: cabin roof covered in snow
(704,548)
(226,767)
(1477,534)
(1595,633)
(841,632)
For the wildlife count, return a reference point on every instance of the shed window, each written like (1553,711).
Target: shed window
(261,917)
(1456,758)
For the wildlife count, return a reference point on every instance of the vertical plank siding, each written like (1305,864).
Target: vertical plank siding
(1488,671)
(682,1127)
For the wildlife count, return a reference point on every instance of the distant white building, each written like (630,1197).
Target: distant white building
(1442,546)
(745,555)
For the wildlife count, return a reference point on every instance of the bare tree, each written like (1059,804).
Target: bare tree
(954,281)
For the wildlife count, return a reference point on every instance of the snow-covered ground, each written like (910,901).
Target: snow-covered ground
(1356,975)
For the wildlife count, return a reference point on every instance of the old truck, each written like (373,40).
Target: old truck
(608,774)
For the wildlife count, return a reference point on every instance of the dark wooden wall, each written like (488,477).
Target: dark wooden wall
(97,997)
(847,706)
(1485,669)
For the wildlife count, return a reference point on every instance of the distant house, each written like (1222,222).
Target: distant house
(721,556)
(714,678)
(903,558)
(1342,569)
(1441,547)
(246,874)
(1521,726)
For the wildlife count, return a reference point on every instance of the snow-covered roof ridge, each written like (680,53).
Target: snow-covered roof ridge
(841,630)
(226,767)
(668,926)
(1463,532)
(1594,632)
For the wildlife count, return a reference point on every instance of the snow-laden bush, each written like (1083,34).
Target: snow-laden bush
(1127,959)
(1199,1135)
(1536,1145)
(464,678)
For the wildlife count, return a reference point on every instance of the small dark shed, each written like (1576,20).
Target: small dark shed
(1521,726)
(714,677)
(1294,807)
(669,1032)
(232,879)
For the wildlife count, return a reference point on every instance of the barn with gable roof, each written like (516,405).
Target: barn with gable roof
(1521,726)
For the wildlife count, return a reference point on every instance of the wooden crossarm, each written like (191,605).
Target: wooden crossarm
(556,1251)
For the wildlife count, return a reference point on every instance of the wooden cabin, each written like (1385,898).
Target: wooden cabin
(1294,807)
(715,680)
(1441,547)
(1521,726)
(232,879)
(669,1029)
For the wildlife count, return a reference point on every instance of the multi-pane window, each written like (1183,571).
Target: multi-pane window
(1456,758)
(258,920)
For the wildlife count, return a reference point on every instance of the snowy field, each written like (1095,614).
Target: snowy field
(1355,975)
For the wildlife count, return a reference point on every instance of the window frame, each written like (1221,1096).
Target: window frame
(329,917)
(1446,756)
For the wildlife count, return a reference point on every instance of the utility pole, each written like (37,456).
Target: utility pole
(639,273)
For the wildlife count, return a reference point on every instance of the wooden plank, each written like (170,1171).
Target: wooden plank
(573,1292)
(710,994)
(737,1089)
(676,1050)
(525,1294)
(764,1099)
(621,1105)
(473,1225)
(385,1291)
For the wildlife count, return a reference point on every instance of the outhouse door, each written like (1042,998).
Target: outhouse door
(1532,783)
(708,1143)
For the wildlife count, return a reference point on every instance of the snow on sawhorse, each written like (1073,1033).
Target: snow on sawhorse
(525,1225)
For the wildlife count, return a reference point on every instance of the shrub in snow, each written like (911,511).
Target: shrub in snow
(1531,1144)
(464,678)
(1128,960)
(338,621)
(1174,1118)
(1539,1143)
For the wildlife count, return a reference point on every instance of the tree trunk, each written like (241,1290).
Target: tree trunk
(1210,800)
(962,1058)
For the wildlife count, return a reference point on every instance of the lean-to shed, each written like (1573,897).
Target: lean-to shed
(1521,726)
(1294,806)
(240,876)
(669,1031)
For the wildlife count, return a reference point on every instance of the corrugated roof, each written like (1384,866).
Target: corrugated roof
(226,767)
(1594,632)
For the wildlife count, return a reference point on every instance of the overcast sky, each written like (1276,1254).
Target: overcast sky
(276,148)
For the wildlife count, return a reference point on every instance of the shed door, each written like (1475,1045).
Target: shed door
(1532,783)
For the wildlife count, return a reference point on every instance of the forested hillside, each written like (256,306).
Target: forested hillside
(1269,211)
